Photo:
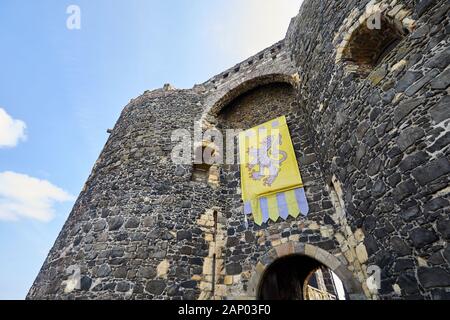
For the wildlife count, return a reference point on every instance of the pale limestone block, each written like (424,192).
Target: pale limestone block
(163,269)
(310,250)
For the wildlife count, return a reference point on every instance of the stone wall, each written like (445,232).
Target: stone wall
(372,146)
(385,137)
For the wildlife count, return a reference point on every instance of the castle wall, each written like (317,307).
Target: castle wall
(372,148)
(133,232)
(247,244)
(385,137)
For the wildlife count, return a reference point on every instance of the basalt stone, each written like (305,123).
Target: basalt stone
(405,108)
(249,237)
(408,283)
(184,235)
(404,190)
(409,136)
(115,223)
(447,254)
(410,214)
(394,179)
(371,244)
(403,265)
(433,277)
(400,247)
(423,5)
(441,82)
(422,237)
(374,167)
(379,188)
(123,286)
(232,242)
(103,271)
(443,227)
(189,295)
(233,269)
(121,273)
(414,88)
(167,236)
(440,143)
(85,283)
(155,287)
(196,261)
(173,290)
(408,79)
(116,253)
(186,204)
(413,161)
(440,112)
(132,223)
(147,272)
(189,284)
(432,171)
(99,225)
(436,204)
(436,259)
(440,60)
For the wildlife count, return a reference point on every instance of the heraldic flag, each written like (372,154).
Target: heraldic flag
(272,186)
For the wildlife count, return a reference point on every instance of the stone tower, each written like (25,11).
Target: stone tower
(365,89)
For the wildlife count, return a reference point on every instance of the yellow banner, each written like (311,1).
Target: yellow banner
(269,170)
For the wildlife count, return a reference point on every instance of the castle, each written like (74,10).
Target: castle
(364,86)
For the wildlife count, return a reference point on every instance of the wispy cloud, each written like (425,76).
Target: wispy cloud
(22,196)
(11,130)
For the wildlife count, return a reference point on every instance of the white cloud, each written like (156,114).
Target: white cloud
(11,130)
(247,27)
(22,196)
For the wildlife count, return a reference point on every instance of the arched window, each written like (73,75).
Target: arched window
(369,43)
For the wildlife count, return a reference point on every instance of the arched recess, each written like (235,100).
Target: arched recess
(217,102)
(369,36)
(351,285)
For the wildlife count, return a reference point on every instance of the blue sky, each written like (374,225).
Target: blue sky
(61,89)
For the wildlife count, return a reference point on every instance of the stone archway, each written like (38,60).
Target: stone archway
(351,285)
(222,98)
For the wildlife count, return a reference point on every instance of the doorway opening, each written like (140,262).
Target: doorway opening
(300,277)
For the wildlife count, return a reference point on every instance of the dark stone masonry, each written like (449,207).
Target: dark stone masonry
(369,115)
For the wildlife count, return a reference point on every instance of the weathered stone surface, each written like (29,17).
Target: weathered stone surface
(409,137)
(184,235)
(405,108)
(443,227)
(400,247)
(147,272)
(442,81)
(372,144)
(433,277)
(85,283)
(155,287)
(123,286)
(115,223)
(421,237)
(432,171)
(233,268)
(132,223)
(103,271)
(440,111)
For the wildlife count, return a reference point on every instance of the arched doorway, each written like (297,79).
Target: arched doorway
(299,277)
